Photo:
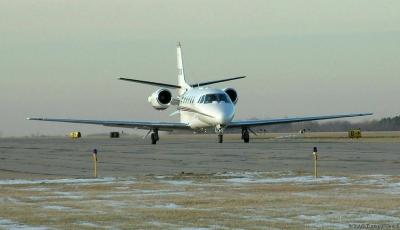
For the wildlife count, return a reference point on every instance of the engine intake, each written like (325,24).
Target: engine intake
(160,99)
(232,94)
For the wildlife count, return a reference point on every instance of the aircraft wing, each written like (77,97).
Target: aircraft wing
(123,124)
(249,123)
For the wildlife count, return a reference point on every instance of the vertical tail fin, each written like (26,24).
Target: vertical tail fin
(181,74)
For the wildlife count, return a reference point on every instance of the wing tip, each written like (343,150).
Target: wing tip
(366,114)
(34,119)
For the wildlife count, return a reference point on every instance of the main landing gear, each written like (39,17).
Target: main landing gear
(245,135)
(154,136)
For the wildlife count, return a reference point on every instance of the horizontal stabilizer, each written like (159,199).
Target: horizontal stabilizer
(217,81)
(151,83)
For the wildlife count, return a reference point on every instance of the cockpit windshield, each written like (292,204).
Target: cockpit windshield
(210,98)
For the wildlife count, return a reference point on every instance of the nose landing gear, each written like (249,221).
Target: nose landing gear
(220,131)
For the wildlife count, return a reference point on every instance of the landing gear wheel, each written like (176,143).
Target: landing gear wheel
(219,129)
(246,139)
(245,135)
(154,139)
(220,138)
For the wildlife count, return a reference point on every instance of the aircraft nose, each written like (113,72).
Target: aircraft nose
(224,116)
(221,119)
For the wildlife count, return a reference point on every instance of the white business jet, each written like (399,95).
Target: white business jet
(199,107)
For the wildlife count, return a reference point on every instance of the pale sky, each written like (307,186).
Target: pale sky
(62,58)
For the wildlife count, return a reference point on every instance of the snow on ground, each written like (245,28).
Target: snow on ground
(70,195)
(393,188)
(12,225)
(9,200)
(296,180)
(58,181)
(378,217)
(35,189)
(178,182)
(324,225)
(194,228)
(58,208)
(88,224)
(38,198)
(324,221)
(167,206)
(335,220)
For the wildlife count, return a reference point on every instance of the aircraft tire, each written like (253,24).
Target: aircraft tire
(220,138)
(246,136)
(153,139)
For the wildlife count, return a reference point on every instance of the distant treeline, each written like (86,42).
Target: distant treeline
(384,124)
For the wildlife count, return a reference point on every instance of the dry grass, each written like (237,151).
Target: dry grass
(202,201)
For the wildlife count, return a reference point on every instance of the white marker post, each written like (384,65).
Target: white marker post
(315,153)
(95,162)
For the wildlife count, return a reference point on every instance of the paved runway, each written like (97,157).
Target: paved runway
(133,156)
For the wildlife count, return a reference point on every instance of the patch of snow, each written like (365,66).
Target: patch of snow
(281,219)
(167,206)
(58,181)
(393,188)
(378,217)
(128,181)
(156,223)
(296,180)
(38,198)
(195,228)
(316,218)
(256,218)
(88,224)
(70,195)
(178,182)
(122,188)
(250,174)
(160,224)
(324,225)
(321,221)
(12,225)
(9,200)
(35,189)
(58,208)
(238,174)
(115,204)
(162,192)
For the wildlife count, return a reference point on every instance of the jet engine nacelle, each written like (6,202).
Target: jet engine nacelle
(232,94)
(160,99)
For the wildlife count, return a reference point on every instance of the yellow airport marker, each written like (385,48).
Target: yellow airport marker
(315,153)
(95,162)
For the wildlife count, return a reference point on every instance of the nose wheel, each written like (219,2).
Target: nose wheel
(220,131)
